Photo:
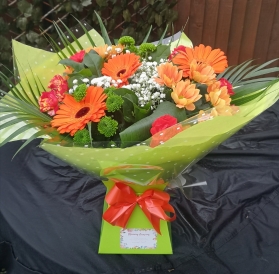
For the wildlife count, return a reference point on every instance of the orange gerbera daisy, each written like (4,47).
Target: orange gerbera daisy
(202,54)
(169,75)
(73,116)
(121,67)
(201,73)
(185,94)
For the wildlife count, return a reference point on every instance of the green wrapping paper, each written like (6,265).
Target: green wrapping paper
(175,154)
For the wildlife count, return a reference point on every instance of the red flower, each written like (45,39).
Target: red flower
(225,83)
(49,102)
(176,50)
(78,57)
(59,85)
(162,123)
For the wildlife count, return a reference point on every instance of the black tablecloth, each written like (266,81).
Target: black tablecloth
(50,213)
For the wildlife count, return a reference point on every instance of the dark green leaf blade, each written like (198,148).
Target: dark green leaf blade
(94,62)
(147,35)
(103,30)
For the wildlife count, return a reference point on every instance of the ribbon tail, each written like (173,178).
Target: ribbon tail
(153,219)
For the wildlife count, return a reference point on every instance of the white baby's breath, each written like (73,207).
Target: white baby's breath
(144,85)
(103,81)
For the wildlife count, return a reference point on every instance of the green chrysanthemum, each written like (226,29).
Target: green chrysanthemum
(133,49)
(146,48)
(80,92)
(107,126)
(127,41)
(114,102)
(82,137)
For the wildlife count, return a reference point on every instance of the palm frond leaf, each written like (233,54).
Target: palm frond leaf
(13,89)
(251,91)
(103,30)
(12,104)
(72,35)
(247,78)
(34,136)
(86,33)
(57,49)
(67,44)
(19,131)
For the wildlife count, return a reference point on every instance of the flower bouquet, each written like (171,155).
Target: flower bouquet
(138,116)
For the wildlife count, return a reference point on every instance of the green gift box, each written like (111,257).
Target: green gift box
(139,236)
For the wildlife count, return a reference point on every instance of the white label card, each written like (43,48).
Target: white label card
(138,238)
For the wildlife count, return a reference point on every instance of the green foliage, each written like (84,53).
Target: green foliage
(24,20)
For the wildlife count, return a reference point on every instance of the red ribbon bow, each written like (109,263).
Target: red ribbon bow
(122,200)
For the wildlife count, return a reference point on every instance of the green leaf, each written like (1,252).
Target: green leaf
(86,3)
(163,35)
(32,36)
(77,6)
(245,99)
(130,99)
(147,35)
(140,130)
(142,112)
(71,63)
(25,8)
(126,15)
(5,43)
(162,52)
(21,23)
(103,30)
(94,62)
(84,73)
